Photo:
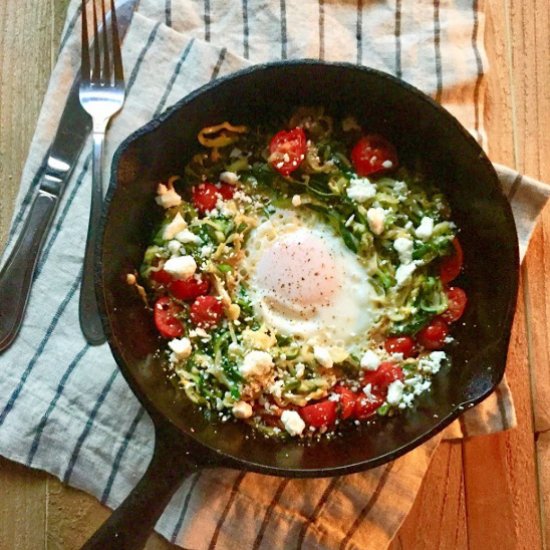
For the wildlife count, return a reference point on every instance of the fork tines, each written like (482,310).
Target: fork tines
(101,72)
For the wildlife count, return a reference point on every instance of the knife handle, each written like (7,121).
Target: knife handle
(18,271)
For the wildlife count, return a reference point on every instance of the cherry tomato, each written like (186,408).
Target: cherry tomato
(165,316)
(347,401)
(206,311)
(451,265)
(365,407)
(189,289)
(433,336)
(457,300)
(205,196)
(319,414)
(287,150)
(373,154)
(382,377)
(161,277)
(400,344)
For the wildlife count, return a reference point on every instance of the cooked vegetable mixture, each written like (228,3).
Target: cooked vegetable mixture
(301,277)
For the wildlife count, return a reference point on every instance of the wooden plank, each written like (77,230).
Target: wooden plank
(22,507)
(531,69)
(25,65)
(543,455)
(438,517)
(73,516)
(500,470)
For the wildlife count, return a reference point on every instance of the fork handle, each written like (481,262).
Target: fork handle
(18,271)
(90,321)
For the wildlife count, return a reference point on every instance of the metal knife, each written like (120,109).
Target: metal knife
(17,273)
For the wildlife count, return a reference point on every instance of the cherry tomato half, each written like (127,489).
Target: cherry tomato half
(206,311)
(373,154)
(365,407)
(347,401)
(189,289)
(456,299)
(165,316)
(451,265)
(382,377)
(287,150)
(433,336)
(319,414)
(205,196)
(161,277)
(400,344)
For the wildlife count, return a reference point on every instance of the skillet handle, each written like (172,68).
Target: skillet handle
(131,524)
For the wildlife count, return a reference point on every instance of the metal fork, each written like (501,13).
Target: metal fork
(102,93)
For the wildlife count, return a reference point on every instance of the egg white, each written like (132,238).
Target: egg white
(305,283)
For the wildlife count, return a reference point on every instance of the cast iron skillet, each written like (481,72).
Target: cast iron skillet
(421,131)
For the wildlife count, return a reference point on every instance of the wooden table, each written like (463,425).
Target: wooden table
(485,492)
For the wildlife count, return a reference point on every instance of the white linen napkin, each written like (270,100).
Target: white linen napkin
(65,407)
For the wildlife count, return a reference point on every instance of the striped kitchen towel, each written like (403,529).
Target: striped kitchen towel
(66,409)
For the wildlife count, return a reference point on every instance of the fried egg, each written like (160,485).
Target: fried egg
(305,283)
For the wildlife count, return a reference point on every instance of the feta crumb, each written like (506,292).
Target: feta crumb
(425,229)
(276,388)
(293,422)
(234,348)
(186,236)
(323,357)
(229,177)
(174,227)
(300,370)
(167,197)
(256,363)
(376,218)
(387,164)
(404,248)
(370,361)
(242,409)
(296,200)
(360,189)
(181,267)
(174,247)
(367,390)
(404,271)
(181,348)
(395,392)
(400,187)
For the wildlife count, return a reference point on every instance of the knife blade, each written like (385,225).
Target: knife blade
(74,127)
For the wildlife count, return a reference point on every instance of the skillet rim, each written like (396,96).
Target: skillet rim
(222,458)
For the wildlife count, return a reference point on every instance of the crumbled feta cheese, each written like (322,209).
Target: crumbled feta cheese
(242,409)
(367,390)
(234,348)
(387,164)
(323,357)
(186,236)
(404,248)
(276,388)
(300,370)
(181,348)
(404,271)
(256,363)
(174,227)
(376,218)
(395,392)
(207,250)
(360,189)
(174,247)
(425,229)
(296,200)
(400,187)
(370,361)
(167,197)
(293,422)
(229,177)
(181,267)
(432,362)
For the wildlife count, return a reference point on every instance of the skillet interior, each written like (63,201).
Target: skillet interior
(420,130)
